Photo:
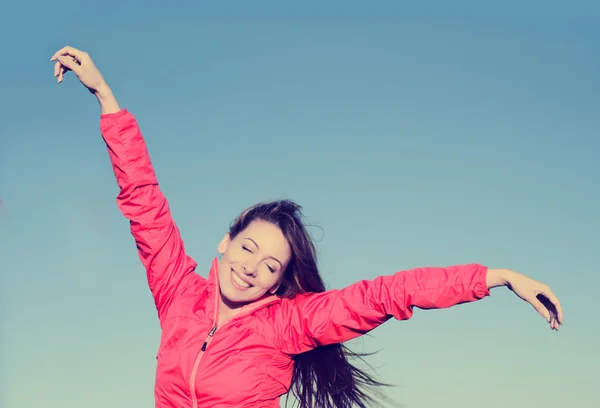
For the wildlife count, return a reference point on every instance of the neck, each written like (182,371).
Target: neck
(228,309)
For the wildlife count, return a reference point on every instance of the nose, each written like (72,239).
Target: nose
(249,267)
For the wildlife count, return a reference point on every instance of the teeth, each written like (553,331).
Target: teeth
(239,281)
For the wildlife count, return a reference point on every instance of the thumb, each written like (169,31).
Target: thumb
(70,63)
(541,309)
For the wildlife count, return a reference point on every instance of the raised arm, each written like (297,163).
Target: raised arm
(336,316)
(140,199)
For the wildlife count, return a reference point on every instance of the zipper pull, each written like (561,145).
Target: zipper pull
(210,333)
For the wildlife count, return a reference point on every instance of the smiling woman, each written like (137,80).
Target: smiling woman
(249,270)
(263,316)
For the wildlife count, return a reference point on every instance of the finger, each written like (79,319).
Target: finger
(540,308)
(69,63)
(73,52)
(61,73)
(553,323)
(56,68)
(62,70)
(68,50)
(555,302)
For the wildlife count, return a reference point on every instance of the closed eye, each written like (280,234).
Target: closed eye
(271,268)
(245,248)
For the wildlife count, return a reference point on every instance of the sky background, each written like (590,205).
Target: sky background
(437,134)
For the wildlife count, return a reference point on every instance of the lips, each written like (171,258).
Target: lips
(239,282)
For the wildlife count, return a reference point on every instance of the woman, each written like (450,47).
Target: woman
(262,324)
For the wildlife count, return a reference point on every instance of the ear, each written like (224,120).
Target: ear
(224,244)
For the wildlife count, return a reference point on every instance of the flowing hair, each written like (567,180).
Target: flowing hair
(323,377)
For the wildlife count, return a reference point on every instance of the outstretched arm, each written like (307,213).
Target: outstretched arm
(336,316)
(140,199)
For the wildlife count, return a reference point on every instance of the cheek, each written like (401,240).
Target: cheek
(229,256)
(268,280)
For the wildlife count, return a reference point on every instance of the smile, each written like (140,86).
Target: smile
(238,281)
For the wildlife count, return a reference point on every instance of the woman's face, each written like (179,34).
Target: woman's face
(253,262)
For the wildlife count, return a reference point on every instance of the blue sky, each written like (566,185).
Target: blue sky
(412,135)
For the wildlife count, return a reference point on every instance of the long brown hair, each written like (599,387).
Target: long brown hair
(323,377)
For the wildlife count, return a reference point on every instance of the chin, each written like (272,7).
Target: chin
(231,295)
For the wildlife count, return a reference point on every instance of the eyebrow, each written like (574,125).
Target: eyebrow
(272,257)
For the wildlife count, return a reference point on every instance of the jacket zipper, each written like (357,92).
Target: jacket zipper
(213,330)
(210,334)
(207,341)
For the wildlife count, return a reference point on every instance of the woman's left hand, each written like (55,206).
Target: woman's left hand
(533,292)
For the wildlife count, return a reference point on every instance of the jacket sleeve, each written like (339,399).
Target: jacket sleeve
(141,201)
(336,316)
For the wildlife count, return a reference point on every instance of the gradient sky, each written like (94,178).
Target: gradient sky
(412,135)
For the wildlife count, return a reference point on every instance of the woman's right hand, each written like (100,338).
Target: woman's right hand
(72,59)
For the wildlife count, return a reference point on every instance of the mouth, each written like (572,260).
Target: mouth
(239,282)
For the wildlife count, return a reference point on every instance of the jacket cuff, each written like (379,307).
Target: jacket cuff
(114,115)
(481,290)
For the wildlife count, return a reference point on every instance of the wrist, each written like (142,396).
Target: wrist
(498,277)
(106,99)
(103,92)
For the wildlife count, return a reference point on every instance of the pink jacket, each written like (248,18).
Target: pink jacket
(247,362)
